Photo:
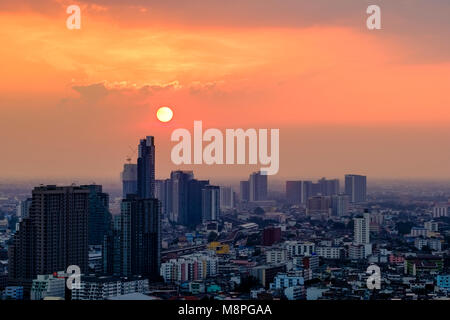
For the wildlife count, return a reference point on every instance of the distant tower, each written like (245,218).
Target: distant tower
(245,190)
(163,192)
(179,183)
(356,187)
(129,179)
(211,203)
(146,168)
(258,187)
(294,192)
(226,198)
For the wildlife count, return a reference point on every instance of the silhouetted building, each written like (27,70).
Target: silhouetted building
(112,249)
(245,191)
(307,191)
(258,186)
(180,198)
(294,192)
(53,237)
(163,192)
(146,168)
(355,187)
(140,236)
(99,215)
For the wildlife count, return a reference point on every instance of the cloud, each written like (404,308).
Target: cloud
(92,92)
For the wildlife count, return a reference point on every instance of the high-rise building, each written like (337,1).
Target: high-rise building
(328,187)
(140,236)
(307,191)
(356,187)
(210,203)
(146,168)
(294,192)
(163,192)
(339,205)
(129,179)
(99,215)
(245,191)
(179,181)
(361,229)
(112,249)
(227,196)
(258,186)
(53,237)
(195,202)
(361,247)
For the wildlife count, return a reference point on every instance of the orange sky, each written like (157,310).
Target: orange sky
(344,98)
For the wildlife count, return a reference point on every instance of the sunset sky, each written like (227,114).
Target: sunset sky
(346,99)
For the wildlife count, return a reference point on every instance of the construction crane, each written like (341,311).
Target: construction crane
(132,154)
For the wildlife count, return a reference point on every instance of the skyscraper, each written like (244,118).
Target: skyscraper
(112,248)
(99,215)
(361,228)
(227,196)
(180,181)
(146,168)
(355,187)
(163,192)
(53,237)
(307,191)
(195,194)
(129,179)
(361,247)
(140,236)
(245,190)
(210,203)
(294,192)
(328,187)
(258,186)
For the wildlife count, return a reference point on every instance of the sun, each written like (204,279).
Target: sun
(164,114)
